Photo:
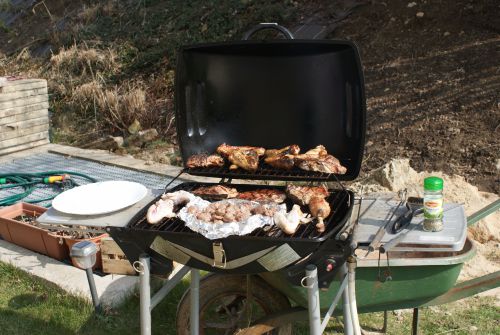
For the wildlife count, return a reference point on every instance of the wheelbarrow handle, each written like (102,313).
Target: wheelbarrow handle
(483,212)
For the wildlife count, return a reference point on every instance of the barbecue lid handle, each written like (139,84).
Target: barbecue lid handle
(263,26)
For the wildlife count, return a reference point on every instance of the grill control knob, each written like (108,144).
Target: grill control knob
(330,264)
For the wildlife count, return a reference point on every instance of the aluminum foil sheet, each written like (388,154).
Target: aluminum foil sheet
(221,230)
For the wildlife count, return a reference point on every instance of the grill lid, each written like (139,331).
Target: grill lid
(272,94)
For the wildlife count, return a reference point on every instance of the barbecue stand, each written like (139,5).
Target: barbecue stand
(437,274)
(270,94)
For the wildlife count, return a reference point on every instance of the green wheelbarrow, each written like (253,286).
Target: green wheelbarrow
(223,297)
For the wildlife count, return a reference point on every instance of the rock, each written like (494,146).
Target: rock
(369,143)
(446,33)
(141,138)
(118,140)
(134,127)
(412,4)
(394,175)
(498,164)
(420,15)
(473,328)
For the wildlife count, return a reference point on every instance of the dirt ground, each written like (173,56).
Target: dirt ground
(432,85)
(432,69)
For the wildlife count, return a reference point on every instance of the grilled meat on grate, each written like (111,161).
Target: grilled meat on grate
(263,195)
(225,149)
(204,160)
(293,149)
(290,222)
(284,162)
(314,197)
(319,160)
(302,194)
(325,164)
(225,211)
(282,158)
(246,159)
(216,192)
(320,209)
(318,151)
(166,206)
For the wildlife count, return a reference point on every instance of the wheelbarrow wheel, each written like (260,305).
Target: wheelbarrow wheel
(225,307)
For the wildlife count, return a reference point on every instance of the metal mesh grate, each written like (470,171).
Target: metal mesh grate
(264,172)
(338,200)
(50,162)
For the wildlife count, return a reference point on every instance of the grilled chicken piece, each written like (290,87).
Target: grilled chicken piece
(245,159)
(165,207)
(263,195)
(319,151)
(302,195)
(289,223)
(293,149)
(320,209)
(204,160)
(216,192)
(282,158)
(314,197)
(325,164)
(284,162)
(160,210)
(226,150)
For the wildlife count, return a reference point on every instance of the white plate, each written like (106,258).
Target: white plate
(99,198)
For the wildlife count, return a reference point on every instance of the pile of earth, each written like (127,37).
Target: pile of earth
(397,175)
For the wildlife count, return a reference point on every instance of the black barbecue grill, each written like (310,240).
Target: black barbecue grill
(270,94)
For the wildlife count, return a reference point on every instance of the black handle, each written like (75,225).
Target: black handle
(263,26)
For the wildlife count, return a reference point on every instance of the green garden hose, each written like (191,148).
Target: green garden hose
(29,181)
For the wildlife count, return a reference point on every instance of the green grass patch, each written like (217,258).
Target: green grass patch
(32,306)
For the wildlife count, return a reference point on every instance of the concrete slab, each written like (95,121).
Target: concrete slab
(112,289)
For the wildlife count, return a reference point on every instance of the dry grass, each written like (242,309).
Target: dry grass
(87,92)
(111,61)
(122,105)
(82,60)
(89,12)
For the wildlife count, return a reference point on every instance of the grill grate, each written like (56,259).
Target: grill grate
(264,172)
(339,201)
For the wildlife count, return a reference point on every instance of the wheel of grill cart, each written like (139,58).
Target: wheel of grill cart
(223,305)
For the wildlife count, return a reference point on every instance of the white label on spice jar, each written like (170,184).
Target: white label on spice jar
(433,206)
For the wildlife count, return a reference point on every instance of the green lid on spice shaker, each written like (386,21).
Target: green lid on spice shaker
(433,183)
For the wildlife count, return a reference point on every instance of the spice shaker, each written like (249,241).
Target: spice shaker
(433,204)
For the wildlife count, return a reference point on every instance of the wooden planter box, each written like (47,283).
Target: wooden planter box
(114,260)
(24,114)
(29,236)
